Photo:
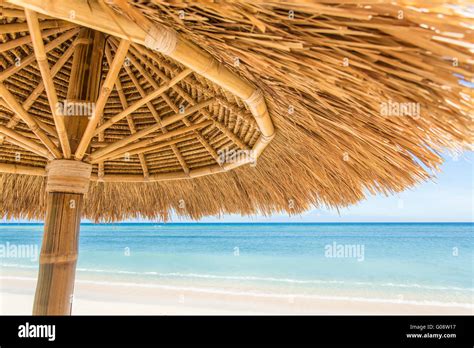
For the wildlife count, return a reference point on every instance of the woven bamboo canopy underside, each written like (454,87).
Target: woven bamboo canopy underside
(325,70)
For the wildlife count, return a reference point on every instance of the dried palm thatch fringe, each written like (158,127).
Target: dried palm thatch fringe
(326,70)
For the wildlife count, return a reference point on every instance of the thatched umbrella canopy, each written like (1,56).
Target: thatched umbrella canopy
(115,109)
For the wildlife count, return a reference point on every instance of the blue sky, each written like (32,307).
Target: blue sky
(448,198)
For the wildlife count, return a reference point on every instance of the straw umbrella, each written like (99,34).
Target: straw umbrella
(114,109)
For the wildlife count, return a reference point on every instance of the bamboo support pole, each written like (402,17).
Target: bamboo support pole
(109,82)
(47,76)
(84,82)
(67,182)
(15,119)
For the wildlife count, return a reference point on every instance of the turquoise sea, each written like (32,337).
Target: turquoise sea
(406,262)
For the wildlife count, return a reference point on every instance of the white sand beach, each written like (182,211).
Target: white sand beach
(124,298)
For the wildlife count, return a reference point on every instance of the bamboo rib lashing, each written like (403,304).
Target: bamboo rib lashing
(161,39)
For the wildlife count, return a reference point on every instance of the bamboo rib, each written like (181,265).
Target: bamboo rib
(143,144)
(203,63)
(109,82)
(30,58)
(19,27)
(17,13)
(165,122)
(193,173)
(152,82)
(150,106)
(24,142)
(140,51)
(29,120)
(47,76)
(15,119)
(54,70)
(176,87)
(41,124)
(100,165)
(254,99)
(142,150)
(21,169)
(37,92)
(100,170)
(20,145)
(143,101)
(3,103)
(124,103)
(139,178)
(100,21)
(27,39)
(185,52)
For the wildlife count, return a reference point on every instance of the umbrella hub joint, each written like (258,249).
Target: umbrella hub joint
(68,176)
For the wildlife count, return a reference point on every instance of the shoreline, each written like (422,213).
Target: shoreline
(111,297)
